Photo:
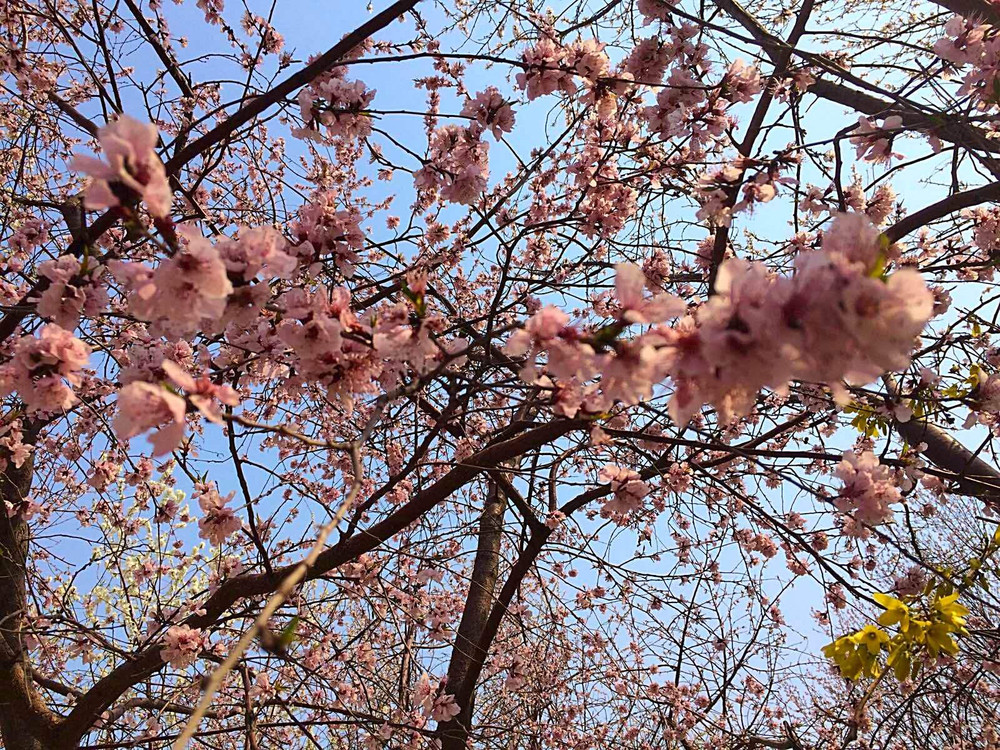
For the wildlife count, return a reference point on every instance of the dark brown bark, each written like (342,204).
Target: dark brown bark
(25,721)
(478,605)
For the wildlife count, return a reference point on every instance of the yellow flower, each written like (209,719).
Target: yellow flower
(951,611)
(871,638)
(939,639)
(844,654)
(900,661)
(895,611)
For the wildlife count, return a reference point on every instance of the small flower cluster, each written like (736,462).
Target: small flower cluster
(838,318)
(44,369)
(868,491)
(457,165)
(327,228)
(182,645)
(132,170)
(335,105)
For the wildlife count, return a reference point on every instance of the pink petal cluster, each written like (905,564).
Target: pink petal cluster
(218,521)
(742,82)
(326,228)
(203,393)
(257,252)
(30,233)
(546,70)
(70,293)
(132,170)
(490,111)
(144,406)
(834,320)
(608,201)
(970,43)
(656,10)
(182,645)
(457,165)
(44,369)
(627,490)
(648,61)
(873,143)
(183,293)
(868,490)
(312,330)
(337,105)
(434,704)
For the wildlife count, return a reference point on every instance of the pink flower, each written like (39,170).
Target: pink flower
(258,251)
(132,171)
(203,393)
(656,10)
(629,284)
(544,72)
(436,705)
(184,292)
(337,105)
(182,645)
(219,521)
(143,406)
(490,110)
(328,228)
(627,489)
(458,165)
(868,488)
(536,336)
(43,369)
(855,239)
(874,144)
(70,293)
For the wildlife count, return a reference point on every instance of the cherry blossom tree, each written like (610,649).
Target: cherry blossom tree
(597,375)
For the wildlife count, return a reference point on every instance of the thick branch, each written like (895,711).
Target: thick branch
(111,687)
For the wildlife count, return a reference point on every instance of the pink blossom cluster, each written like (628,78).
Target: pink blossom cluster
(656,10)
(337,105)
(627,493)
(328,228)
(608,201)
(182,645)
(457,165)
(184,292)
(258,252)
(868,490)
(132,170)
(71,292)
(835,319)
(490,111)
(546,70)
(218,521)
(648,61)
(434,703)
(873,143)
(30,233)
(971,43)
(12,446)
(145,406)
(44,369)
(756,542)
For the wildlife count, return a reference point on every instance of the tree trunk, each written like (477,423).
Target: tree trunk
(19,728)
(479,603)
